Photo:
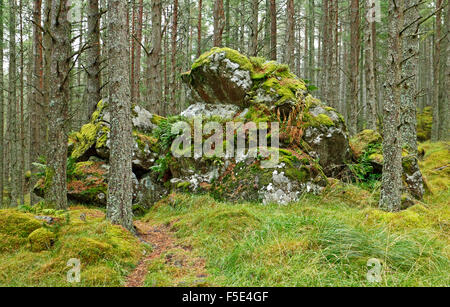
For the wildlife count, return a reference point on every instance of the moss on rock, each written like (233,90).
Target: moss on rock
(41,239)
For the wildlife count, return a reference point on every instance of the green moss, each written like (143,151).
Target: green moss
(317,121)
(41,239)
(231,54)
(363,140)
(103,138)
(15,223)
(86,138)
(424,124)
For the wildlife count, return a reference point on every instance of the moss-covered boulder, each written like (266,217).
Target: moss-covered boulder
(224,76)
(268,92)
(367,148)
(15,227)
(93,138)
(248,181)
(41,239)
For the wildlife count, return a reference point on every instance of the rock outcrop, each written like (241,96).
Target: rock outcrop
(224,87)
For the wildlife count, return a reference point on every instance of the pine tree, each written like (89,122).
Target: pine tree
(120,177)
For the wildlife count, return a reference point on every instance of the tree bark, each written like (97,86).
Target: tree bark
(370,66)
(154,95)
(56,187)
(2,111)
(138,50)
(93,58)
(444,109)
(290,33)
(120,176)
(436,73)
(13,107)
(219,23)
(410,65)
(354,67)
(199,29)
(273,30)
(391,184)
(254,29)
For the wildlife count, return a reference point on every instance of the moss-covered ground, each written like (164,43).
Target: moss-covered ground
(321,240)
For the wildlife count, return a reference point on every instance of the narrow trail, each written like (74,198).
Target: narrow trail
(160,239)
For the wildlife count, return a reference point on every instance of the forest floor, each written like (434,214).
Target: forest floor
(187,240)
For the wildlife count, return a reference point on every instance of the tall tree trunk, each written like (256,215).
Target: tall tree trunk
(138,50)
(21,164)
(13,106)
(353,109)
(2,111)
(390,198)
(120,176)
(311,40)
(290,33)
(219,23)
(199,29)
(444,109)
(227,24)
(267,30)
(370,65)
(254,29)
(436,72)
(410,66)
(47,44)
(273,30)
(93,58)
(155,87)
(38,114)
(173,61)
(56,187)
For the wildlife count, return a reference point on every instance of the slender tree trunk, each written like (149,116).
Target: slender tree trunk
(219,23)
(199,29)
(354,67)
(47,44)
(444,109)
(311,48)
(93,58)
(370,66)
(290,33)
(436,73)
(410,75)
(173,64)
(138,51)
(254,28)
(56,187)
(13,106)
(120,176)
(37,115)
(390,198)
(267,30)
(273,30)
(155,86)
(21,164)
(2,111)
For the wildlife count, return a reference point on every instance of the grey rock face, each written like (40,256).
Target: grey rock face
(329,140)
(223,111)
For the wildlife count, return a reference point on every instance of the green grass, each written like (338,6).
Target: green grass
(320,241)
